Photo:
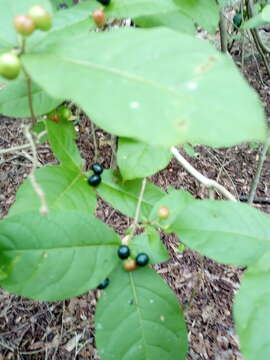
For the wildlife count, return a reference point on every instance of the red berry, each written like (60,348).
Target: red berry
(24,25)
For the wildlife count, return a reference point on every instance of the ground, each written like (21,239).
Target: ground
(205,289)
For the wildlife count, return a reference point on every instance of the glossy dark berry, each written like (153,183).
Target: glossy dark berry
(237,19)
(142,259)
(97,168)
(94,180)
(123,251)
(104,284)
(62,6)
(104,2)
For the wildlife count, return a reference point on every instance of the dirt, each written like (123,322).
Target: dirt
(205,289)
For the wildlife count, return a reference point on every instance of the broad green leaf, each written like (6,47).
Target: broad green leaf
(14,100)
(226,231)
(151,244)
(147,13)
(138,160)
(62,137)
(204,12)
(139,81)
(174,20)
(251,311)
(260,19)
(8,10)
(58,256)
(176,202)
(124,195)
(65,189)
(138,317)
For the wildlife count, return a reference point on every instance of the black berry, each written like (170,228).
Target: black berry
(123,252)
(142,259)
(97,168)
(62,6)
(104,2)
(94,180)
(104,284)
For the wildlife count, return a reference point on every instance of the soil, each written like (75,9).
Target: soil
(205,289)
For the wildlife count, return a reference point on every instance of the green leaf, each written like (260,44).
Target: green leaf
(150,244)
(147,13)
(203,12)
(138,160)
(124,195)
(58,256)
(133,76)
(176,202)
(174,20)
(251,311)
(263,18)
(62,140)
(65,189)
(8,10)
(14,100)
(226,231)
(138,317)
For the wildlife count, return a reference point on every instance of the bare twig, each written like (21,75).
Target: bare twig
(256,179)
(15,148)
(200,177)
(37,188)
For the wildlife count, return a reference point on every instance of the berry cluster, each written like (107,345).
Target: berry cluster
(95,179)
(37,18)
(131,264)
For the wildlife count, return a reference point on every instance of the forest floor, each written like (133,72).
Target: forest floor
(205,289)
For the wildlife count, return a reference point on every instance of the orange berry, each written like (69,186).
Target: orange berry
(130,265)
(24,25)
(99,17)
(163,212)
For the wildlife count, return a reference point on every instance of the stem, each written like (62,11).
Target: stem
(138,208)
(200,177)
(37,188)
(256,179)
(30,98)
(223,31)
(94,141)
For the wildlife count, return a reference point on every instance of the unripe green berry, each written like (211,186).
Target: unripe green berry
(24,25)
(10,66)
(41,17)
